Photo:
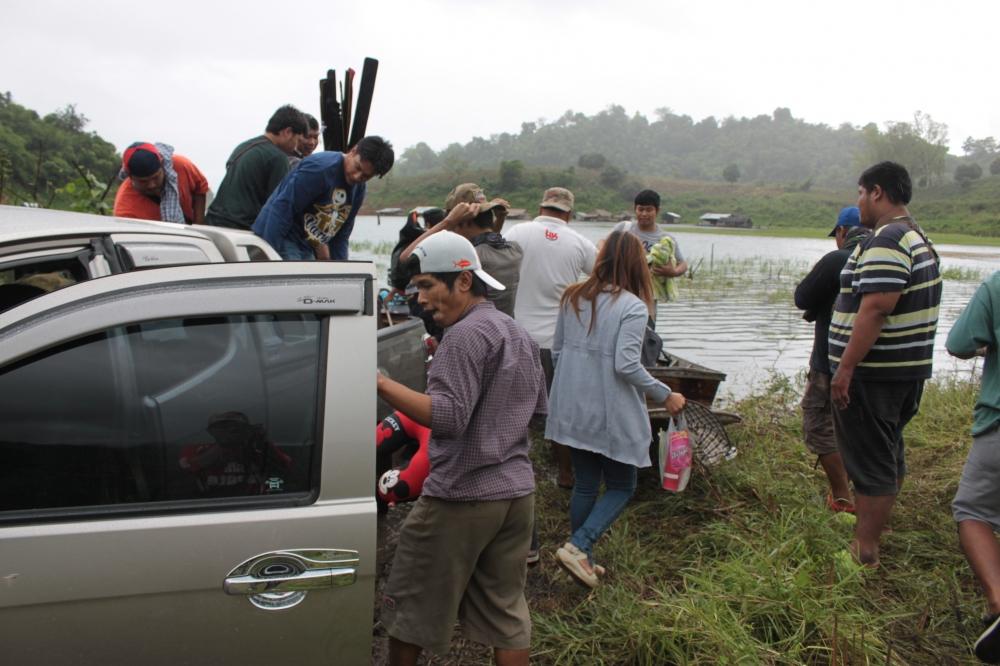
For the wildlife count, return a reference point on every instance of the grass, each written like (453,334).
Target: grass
(813,232)
(741,568)
(773,280)
(962,274)
(377,248)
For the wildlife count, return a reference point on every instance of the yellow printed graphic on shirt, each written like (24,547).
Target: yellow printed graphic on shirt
(326,219)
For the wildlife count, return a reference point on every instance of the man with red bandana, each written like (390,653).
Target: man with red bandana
(160,185)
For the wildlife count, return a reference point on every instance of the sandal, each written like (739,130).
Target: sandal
(575,562)
(838,504)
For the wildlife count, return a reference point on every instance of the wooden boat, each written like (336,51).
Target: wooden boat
(695,382)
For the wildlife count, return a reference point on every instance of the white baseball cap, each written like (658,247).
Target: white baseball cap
(447,252)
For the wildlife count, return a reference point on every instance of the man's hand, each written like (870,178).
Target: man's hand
(662,271)
(675,403)
(460,214)
(322,252)
(840,387)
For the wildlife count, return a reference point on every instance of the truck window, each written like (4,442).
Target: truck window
(23,280)
(179,410)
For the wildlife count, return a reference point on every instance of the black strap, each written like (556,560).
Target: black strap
(253,144)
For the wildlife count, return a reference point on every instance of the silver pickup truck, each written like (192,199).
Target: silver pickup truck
(186,444)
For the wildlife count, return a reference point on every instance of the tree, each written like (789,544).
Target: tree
(592,161)
(511,175)
(995,167)
(731,173)
(612,176)
(920,146)
(966,173)
(980,148)
(782,115)
(41,156)
(418,158)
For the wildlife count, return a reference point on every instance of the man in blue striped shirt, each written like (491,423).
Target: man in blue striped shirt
(881,345)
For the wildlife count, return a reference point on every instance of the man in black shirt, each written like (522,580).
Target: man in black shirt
(816,294)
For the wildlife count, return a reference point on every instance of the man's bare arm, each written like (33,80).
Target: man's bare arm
(875,307)
(198,204)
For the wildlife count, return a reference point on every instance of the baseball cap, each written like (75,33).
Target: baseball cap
(465,193)
(849,217)
(559,198)
(141,160)
(447,252)
(471,193)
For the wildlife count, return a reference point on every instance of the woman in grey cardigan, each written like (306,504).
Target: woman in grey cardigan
(596,405)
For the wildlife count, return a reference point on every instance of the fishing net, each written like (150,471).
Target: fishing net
(711,441)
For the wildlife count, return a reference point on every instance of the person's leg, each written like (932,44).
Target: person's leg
(564,465)
(494,610)
(817,430)
(511,657)
(619,481)
(976,509)
(833,467)
(403,654)
(439,545)
(869,435)
(982,550)
(873,513)
(585,488)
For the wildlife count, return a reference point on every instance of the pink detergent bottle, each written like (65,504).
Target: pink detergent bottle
(675,456)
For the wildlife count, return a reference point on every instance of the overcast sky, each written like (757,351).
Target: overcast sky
(203,76)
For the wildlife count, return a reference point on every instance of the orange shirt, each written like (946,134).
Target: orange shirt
(190,181)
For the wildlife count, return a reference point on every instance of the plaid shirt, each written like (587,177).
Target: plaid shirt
(485,383)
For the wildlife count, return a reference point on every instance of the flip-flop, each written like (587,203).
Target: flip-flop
(839,504)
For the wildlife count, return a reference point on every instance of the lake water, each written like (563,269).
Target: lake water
(736,313)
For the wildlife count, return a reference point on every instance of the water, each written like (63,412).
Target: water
(736,314)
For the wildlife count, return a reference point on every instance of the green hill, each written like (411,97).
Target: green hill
(945,208)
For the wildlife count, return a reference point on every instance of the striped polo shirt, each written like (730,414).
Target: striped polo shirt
(895,258)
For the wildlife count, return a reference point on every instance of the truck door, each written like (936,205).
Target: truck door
(186,467)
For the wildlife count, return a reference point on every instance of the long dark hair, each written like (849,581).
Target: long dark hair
(620,266)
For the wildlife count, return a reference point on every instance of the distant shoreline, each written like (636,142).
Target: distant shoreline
(807,232)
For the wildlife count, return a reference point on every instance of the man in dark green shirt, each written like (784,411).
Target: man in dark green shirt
(976,507)
(254,170)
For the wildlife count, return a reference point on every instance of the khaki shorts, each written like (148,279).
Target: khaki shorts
(462,561)
(817,419)
(978,496)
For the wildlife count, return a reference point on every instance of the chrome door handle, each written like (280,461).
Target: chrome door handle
(281,579)
(315,579)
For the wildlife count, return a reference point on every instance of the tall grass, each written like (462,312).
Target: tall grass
(741,567)
(719,279)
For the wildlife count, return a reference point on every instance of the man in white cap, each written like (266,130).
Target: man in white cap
(555,257)
(462,549)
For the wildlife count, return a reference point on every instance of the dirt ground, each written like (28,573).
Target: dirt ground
(547,587)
